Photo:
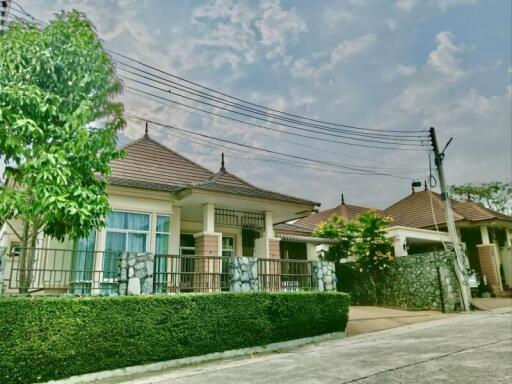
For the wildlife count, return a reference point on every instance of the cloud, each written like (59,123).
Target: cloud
(302,68)
(443,5)
(333,18)
(406,5)
(278,26)
(399,71)
(445,58)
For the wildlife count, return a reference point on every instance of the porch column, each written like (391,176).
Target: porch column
(484,231)
(311,252)
(398,244)
(508,233)
(209,245)
(267,246)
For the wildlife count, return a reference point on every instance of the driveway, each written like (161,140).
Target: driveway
(472,348)
(364,319)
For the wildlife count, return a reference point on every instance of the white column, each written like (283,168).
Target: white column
(208,218)
(398,244)
(508,233)
(311,251)
(485,234)
(175,231)
(269,225)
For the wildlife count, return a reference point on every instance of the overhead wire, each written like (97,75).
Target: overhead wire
(406,137)
(399,145)
(254,104)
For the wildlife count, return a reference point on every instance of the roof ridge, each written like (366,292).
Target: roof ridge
(149,138)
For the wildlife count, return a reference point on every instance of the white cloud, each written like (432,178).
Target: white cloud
(445,57)
(333,18)
(278,26)
(406,5)
(443,5)
(302,68)
(399,70)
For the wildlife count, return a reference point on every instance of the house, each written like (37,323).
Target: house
(164,204)
(419,226)
(486,234)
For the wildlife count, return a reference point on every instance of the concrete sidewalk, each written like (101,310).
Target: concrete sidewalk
(470,348)
(492,303)
(363,319)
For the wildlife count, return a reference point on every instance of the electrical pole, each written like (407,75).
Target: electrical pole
(4,12)
(460,269)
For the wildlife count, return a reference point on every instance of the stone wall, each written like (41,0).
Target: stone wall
(243,272)
(136,273)
(423,281)
(324,275)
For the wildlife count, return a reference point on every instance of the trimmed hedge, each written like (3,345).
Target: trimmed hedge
(44,338)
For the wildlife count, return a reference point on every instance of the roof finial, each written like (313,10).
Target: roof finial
(342,199)
(425,185)
(222,167)
(146,133)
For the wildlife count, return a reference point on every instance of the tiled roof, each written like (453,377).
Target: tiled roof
(419,210)
(286,227)
(347,211)
(475,212)
(148,164)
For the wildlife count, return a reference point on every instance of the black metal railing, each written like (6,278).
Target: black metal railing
(63,271)
(288,275)
(59,271)
(187,273)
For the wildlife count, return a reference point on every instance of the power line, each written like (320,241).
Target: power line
(265,120)
(254,104)
(407,137)
(308,146)
(267,150)
(270,128)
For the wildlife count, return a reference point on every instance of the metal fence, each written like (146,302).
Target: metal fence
(59,271)
(63,271)
(286,275)
(184,273)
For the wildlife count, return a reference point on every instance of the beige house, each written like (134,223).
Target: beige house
(164,204)
(419,226)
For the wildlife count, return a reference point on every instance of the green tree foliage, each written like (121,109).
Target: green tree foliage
(58,125)
(495,195)
(363,239)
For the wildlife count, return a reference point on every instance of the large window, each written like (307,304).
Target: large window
(82,264)
(125,232)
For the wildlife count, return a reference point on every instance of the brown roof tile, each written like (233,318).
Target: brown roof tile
(149,164)
(415,210)
(347,211)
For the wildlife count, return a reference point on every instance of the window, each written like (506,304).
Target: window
(187,244)
(161,251)
(82,264)
(126,232)
(228,246)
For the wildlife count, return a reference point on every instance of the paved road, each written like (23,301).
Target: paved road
(474,348)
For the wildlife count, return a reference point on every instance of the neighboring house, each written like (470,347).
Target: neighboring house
(419,226)
(165,204)
(487,234)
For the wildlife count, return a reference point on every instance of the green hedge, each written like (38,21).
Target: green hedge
(50,337)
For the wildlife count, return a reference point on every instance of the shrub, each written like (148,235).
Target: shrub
(44,338)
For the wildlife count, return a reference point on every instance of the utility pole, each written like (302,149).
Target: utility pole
(4,12)
(460,269)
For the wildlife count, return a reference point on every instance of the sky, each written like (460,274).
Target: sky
(397,65)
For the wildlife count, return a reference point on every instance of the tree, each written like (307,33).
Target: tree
(495,195)
(365,240)
(344,232)
(58,125)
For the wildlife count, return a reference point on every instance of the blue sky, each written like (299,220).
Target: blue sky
(401,64)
